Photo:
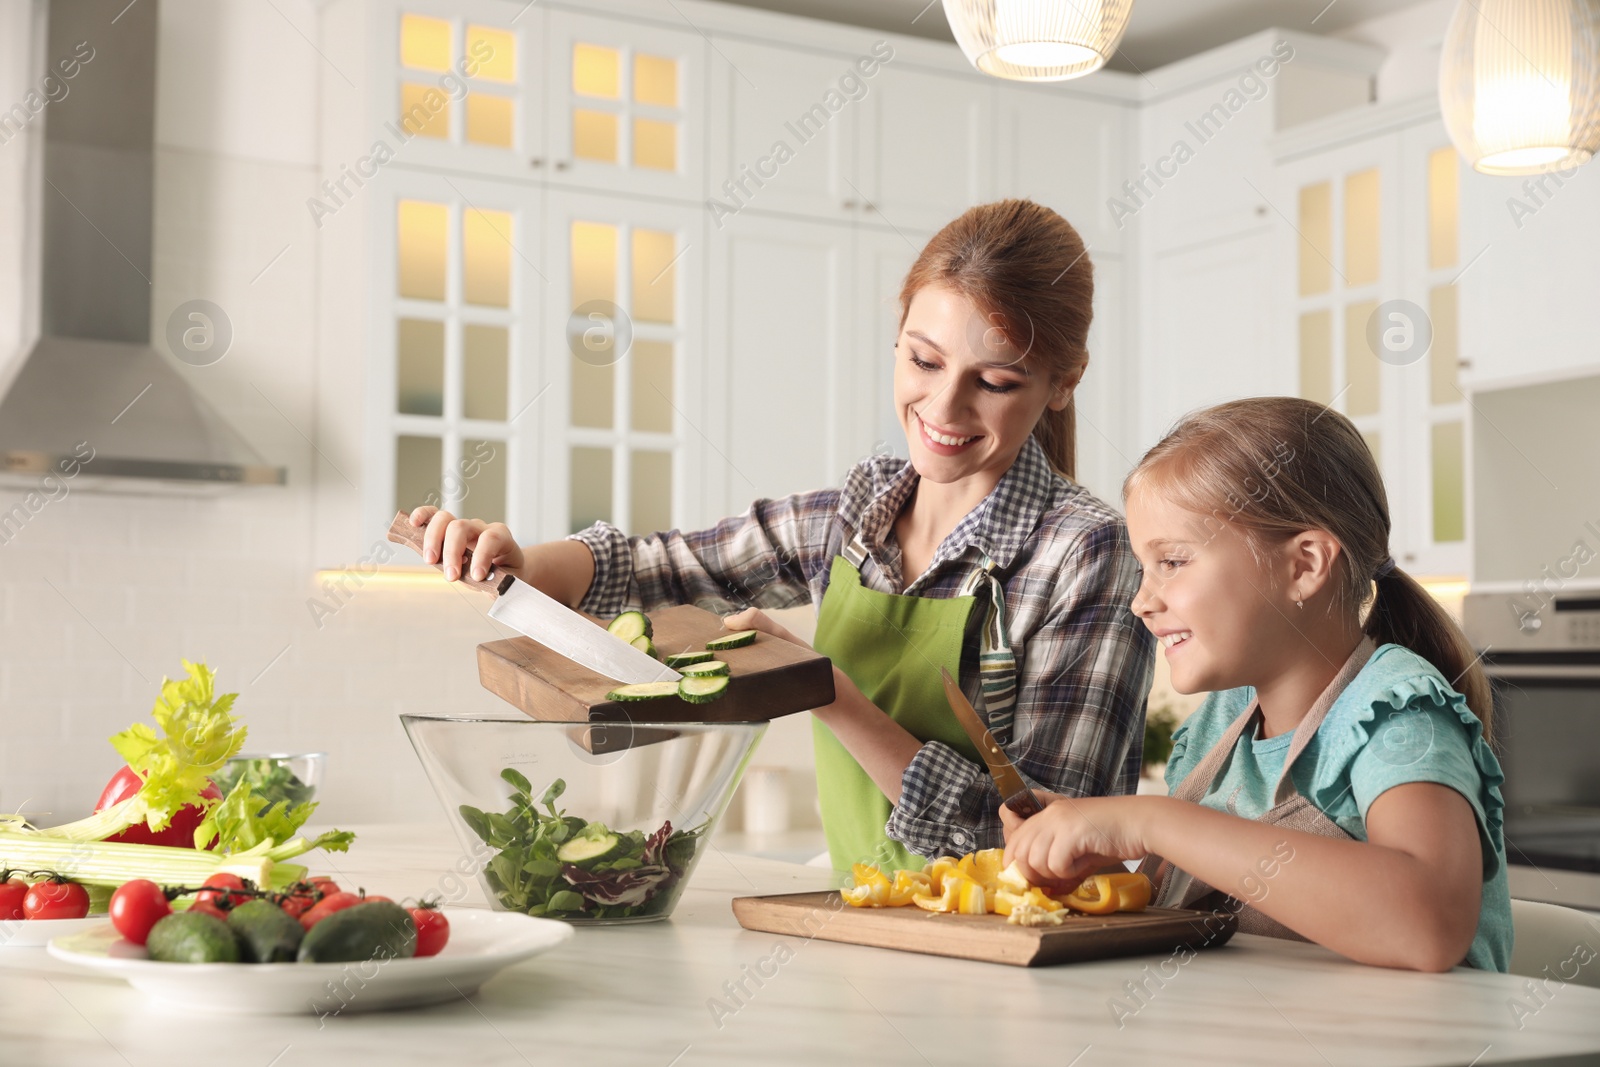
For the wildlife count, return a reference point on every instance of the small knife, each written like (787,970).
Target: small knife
(548,621)
(1014,792)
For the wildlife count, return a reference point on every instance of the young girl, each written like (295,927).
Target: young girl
(1336,784)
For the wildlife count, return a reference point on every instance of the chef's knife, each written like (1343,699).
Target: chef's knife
(1014,792)
(548,621)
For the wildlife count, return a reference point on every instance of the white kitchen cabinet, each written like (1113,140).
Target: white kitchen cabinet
(785,387)
(1375,251)
(1068,153)
(773,150)
(1529,312)
(624,418)
(925,147)
(626,107)
(882,259)
(454,373)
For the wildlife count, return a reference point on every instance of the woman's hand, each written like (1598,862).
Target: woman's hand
(449,539)
(1073,837)
(847,699)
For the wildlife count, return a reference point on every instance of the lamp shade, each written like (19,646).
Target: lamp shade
(1519,84)
(1038,40)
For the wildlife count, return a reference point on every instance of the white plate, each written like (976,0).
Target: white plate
(482,943)
(37,933)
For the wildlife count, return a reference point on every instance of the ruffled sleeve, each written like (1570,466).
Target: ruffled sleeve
(1405,724)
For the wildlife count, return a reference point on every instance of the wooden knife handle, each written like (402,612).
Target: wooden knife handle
(401,532)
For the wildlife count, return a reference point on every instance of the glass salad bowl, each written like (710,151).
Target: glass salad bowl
(292,778)
(591,823)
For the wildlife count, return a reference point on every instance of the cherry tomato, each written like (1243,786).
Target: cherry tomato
(368,900)
(206,907)
(56,900)
(179,833)
(326,885)
(327,906)
(12,892)
(222,901)
(433,929)
(298,900)
(136,906)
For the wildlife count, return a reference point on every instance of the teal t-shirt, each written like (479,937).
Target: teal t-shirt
(1397,721)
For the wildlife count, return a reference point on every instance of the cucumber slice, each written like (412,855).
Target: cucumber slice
(645,645)
(683,659)
(631,624)
(738,640)
(644,691)
(710,668)
(702,689)
(593,844)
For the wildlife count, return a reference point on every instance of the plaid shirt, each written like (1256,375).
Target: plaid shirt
(1084,661)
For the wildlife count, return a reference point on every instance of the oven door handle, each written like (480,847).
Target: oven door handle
(1579,672)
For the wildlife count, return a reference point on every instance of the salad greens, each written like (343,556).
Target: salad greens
(564,867)
(270,779)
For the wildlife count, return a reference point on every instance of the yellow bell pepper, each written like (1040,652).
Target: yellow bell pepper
(983,867)
(959,896)
(907,884)
(937,869)
(1102,894)
(871,889)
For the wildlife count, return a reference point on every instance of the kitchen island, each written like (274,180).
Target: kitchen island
(698,989)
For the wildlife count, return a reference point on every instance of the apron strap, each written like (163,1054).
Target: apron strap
(1319,711)
(854,551)
(997,663)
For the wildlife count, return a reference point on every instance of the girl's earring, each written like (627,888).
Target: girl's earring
(1300,604)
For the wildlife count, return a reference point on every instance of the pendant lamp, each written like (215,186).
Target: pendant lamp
(1519,84)
(1038,40)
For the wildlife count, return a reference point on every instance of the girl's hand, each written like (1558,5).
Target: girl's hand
(1072,838)
(450,539)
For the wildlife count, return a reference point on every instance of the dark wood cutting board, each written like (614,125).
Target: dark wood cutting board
(988,938)
(770,678)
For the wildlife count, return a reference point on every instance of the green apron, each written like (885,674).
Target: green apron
(891,646)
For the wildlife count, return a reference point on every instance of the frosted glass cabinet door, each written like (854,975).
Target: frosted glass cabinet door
(457,84)
(625,106)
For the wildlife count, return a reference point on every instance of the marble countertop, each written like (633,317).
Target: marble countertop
(663,994)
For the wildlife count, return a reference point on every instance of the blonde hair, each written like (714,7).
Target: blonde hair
(1273,466)
(1027,270)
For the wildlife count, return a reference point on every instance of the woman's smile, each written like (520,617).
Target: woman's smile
(941,442)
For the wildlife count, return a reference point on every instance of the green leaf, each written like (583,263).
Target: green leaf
(542,869)
(566,900)
(476,821)
(557,787)
(517,781)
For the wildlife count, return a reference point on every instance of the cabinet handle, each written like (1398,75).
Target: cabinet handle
(562,164)
(535,162)
(849,205)
(869,207)
(1410,557)
(1464,364)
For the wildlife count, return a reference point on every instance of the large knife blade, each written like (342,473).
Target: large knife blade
(565,632)
(548,621)
(1014,792)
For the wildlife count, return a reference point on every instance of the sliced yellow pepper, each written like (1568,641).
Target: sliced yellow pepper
(937,869)
(1011,878)
(871,889)
(983,867)
(907,884)
(1103,894)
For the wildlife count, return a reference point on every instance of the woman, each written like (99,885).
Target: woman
(979,555)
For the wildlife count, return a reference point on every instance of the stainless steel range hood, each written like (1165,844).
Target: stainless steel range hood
(93,385)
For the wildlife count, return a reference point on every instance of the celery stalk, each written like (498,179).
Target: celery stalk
(113,863)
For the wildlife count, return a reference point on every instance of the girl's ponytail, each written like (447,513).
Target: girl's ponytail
(1404,614)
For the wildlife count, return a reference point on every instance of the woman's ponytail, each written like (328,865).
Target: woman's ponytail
(1404,614)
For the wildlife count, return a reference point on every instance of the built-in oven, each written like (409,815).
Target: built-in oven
(1542,654)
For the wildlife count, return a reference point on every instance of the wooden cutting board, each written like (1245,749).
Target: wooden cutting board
(988,938)
(770,678)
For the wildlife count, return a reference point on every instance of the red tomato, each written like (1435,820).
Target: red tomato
(327,885)
(136,906)
(205,907)
(433,929)
(222,901)
(369,900)
(297,901)
(12,893)
(327,906)
(56,900)
(179,833)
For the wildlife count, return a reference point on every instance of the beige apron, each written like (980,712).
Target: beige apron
(1176,888)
